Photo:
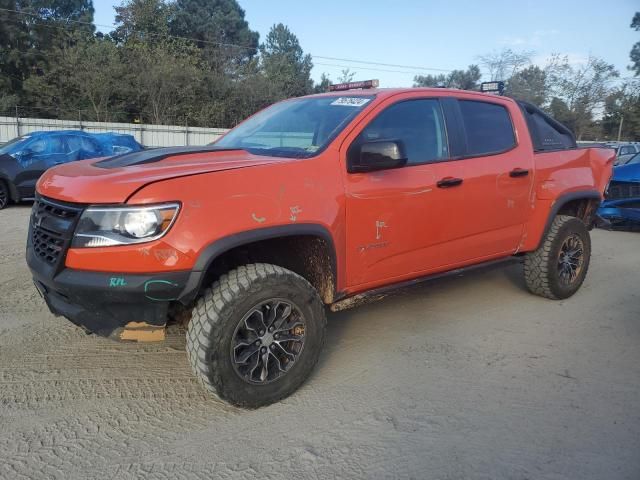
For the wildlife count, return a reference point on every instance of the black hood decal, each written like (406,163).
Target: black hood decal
(156,155)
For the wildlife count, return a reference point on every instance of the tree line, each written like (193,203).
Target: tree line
(193,61)
(198,62)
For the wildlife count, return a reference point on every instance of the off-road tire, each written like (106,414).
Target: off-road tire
(219,311)
(541,271)
(5,195)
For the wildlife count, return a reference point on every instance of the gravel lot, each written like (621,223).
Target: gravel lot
(463,378)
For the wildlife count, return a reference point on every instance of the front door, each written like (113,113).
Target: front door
(389,212)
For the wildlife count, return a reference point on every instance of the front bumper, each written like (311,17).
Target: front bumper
(121,306)
(620,211)
(118,306)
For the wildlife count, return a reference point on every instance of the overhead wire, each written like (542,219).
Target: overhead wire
(248,47)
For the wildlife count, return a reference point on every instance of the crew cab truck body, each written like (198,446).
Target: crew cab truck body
(310,203)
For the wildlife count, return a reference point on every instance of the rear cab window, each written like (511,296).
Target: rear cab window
(547,134)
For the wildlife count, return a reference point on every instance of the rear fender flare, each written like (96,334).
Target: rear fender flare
(561,201)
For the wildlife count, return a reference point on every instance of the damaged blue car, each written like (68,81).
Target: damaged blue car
(24,159)
(621,206)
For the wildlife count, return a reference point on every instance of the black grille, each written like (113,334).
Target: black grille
(47,245)
(51,229)
(622,190)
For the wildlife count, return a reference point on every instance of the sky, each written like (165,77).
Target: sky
(438,35)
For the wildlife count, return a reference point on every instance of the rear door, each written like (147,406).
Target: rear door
(488,183)
(82,147)
(90,148)
(58,151)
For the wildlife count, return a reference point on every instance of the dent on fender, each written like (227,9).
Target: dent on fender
(562,180)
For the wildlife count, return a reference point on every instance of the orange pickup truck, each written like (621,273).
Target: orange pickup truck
(313,202)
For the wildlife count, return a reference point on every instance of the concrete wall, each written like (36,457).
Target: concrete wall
(147,135)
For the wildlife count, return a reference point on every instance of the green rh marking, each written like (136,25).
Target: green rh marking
(117,282)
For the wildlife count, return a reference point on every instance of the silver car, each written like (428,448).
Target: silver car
(625,152)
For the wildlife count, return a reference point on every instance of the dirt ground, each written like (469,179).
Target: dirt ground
(464,378)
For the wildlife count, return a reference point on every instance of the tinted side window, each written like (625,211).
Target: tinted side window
(418,124)
(89,146)
(74,143)
(38,147)
(627,150)
(57,145)
(548,136)
(83,146)
(488,127)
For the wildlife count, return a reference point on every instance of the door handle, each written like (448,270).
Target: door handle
(518,172)
(448,182)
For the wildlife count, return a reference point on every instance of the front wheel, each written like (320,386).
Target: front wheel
(256,334)
(4,194)
(558,267)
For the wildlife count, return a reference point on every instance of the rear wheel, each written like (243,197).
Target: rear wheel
(256,334)
(558,267)
(4,194)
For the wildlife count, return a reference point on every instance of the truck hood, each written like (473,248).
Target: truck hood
(114,180)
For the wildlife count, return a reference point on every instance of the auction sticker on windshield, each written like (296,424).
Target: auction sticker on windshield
(351,101)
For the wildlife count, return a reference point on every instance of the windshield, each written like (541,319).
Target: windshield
(297,128)
(9,147)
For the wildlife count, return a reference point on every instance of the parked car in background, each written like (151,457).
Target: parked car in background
(625,152)
(24,159)
(118,143)
(626,158)
(621,206)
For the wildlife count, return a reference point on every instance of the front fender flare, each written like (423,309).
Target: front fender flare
(222,245)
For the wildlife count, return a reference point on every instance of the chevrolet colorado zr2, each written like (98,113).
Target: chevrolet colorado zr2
(306,205)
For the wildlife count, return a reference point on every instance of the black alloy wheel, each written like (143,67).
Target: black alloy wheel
(570,259)
(4,195)
(268,341)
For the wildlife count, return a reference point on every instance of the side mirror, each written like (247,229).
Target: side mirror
(379,155)
(25,154)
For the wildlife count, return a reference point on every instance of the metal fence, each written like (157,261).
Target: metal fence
(147,135)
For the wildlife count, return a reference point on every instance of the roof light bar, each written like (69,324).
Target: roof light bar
(496,87)
(339,87)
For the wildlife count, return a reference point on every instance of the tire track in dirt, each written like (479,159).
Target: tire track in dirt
(96,440)
(55,363)
(104,402)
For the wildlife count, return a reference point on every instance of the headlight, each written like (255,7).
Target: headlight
(109,226)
